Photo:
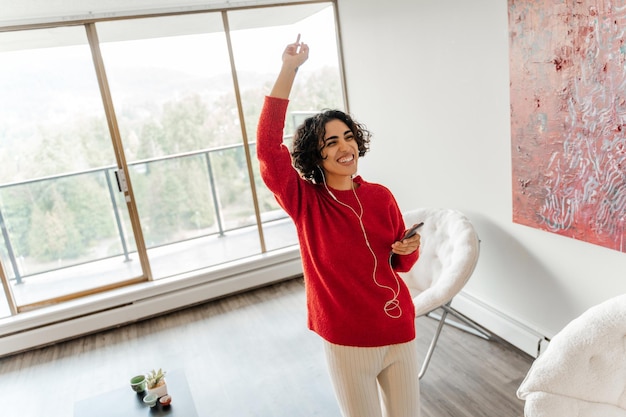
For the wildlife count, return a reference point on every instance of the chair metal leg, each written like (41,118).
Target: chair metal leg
(466,325)
(433,343)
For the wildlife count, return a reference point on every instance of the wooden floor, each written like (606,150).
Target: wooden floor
(251,355)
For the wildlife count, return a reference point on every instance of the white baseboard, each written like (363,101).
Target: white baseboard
(513,331)
(51,325)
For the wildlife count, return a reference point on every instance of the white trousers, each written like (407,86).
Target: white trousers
(375,382)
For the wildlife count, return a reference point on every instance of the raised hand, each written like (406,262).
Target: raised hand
(296,53)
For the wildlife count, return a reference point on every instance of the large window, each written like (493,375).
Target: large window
(167,105)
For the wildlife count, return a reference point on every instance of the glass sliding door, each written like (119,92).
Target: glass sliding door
(258,52)
(173,90)
(65,226)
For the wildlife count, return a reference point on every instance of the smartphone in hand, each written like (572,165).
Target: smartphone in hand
(412,231)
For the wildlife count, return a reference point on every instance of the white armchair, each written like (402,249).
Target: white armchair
(448,255)
(582,373)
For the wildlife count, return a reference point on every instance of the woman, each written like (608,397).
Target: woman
(352,246)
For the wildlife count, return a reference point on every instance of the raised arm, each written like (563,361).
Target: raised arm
(295,54)
(275,163)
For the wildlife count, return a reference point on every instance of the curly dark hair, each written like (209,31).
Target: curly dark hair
(307,142)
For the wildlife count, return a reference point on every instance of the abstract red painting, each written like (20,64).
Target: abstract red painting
(568,117)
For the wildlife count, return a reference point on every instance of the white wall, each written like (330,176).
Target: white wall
(430,78)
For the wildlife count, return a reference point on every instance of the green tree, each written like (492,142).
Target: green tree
(90,206)
(94,140)
(53,234)
(17,205)
(184,125)
(150,140)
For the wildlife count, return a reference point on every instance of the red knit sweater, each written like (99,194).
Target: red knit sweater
(345,305)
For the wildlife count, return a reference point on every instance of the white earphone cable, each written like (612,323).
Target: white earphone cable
(392,305)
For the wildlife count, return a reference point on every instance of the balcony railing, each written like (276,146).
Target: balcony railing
(17,271)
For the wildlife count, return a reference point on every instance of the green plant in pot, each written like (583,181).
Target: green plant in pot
(155,382)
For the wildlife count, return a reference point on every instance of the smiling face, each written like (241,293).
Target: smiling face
(327,146)
(340,151)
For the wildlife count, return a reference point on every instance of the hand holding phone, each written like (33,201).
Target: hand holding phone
(412,231)
(409,233)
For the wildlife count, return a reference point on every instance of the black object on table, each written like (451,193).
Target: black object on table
(124,402)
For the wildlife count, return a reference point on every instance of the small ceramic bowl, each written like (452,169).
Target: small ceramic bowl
(138,383)
(150,400)
(165,400)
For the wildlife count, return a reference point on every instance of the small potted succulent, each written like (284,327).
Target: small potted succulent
(155,383)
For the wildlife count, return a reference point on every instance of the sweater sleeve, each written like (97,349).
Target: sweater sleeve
(403,263)
(274,158)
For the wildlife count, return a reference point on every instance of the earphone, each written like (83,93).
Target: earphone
(392,305)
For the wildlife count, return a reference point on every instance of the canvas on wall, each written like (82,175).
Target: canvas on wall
(568,117)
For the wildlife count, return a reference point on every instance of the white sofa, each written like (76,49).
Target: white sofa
(582,373)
